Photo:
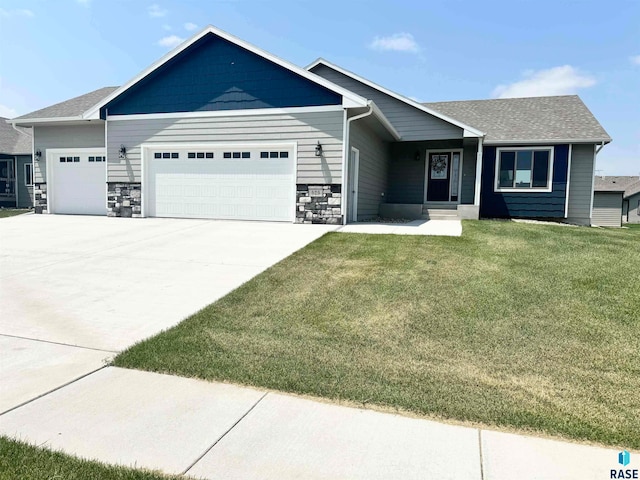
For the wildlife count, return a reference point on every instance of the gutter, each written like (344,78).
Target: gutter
(347,153)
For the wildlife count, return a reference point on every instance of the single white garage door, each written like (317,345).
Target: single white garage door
(240,183)
(77,182)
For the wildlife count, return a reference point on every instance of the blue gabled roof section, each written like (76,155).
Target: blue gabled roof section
(214,74)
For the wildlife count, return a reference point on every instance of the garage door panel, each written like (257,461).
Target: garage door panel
(240,188)
(79,185)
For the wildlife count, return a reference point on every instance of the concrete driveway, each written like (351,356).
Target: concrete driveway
(75,289)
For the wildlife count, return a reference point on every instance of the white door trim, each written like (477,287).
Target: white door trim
(426,173)
(51,189)
(353,176)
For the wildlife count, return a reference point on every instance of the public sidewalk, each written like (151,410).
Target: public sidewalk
(220,431)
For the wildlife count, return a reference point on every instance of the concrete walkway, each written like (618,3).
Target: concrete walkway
(219,431)
(447,228)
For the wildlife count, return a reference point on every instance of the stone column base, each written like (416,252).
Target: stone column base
(319,203)
(40,198)
(124,199)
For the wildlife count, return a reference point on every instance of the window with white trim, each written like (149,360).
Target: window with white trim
(28,174)
(524,169)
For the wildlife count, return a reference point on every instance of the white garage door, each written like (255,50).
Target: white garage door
(77,182)
(241,183)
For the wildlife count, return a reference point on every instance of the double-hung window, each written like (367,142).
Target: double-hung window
(524,169)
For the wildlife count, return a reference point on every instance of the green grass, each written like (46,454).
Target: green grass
(21,461)
(520,326)
(11,212)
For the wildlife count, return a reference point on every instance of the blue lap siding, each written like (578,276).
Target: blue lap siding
(525,205)
(214,74)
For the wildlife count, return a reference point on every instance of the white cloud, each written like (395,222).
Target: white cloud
(563,80)
(171,41)
(189,27)
(20,12)
(84,3)
(167,27)
(398,42)
(7,112)
(635,59)
(155,11)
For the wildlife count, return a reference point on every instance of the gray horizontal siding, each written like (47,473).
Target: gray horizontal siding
(581,184)
(305,129)
(373,167)
(24,193)
(607,209)
(633,208)
(68,136)
(410,122)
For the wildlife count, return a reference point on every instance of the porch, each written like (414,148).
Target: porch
(433,180)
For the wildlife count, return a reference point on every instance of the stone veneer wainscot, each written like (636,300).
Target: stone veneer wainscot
(319,203)
(40,198)
(124,200)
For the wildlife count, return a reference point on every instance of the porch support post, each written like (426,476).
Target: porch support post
(476,198)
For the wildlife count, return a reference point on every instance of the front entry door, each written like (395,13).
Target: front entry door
(438,178)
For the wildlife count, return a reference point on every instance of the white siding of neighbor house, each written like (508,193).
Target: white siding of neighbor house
(410,122)
(633,209)
(90,135)
(607,209)
(373,168)
(305,129)
(581,184)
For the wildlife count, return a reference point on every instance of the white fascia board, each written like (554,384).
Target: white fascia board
(471,130)
(31,121)
(347,96)
(228,113)
(548,141)
(384,120)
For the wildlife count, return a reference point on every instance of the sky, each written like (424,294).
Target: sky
(429,50)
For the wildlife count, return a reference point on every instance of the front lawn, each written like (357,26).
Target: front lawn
(21,461)
(11,212)
(520,326)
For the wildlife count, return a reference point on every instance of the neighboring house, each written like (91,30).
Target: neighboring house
(16,167)
(631,203)
(611,200)
(219,128)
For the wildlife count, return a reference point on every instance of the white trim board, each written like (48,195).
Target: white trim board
(349,99)
(469,131)
(227,113)
(496,179)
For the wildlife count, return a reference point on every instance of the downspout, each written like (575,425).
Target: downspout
(345,160)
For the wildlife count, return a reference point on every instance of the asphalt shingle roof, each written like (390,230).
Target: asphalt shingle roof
(14,141)
(519,120)
(632,189)
(70,108)
(614,183)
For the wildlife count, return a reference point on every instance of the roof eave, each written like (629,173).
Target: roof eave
(349,98)
(469,131)
(384,121)
(527,141)
(29,122)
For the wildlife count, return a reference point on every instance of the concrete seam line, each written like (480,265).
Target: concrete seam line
(57,343)
(224,434)
(53,390)
(480,452)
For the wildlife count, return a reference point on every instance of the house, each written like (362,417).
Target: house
(631,203)
(219,128)
(616,200)
(16,166)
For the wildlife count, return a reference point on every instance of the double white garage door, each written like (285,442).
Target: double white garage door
(242,183)
(187,181)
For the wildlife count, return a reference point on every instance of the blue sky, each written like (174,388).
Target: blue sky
(427,50)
